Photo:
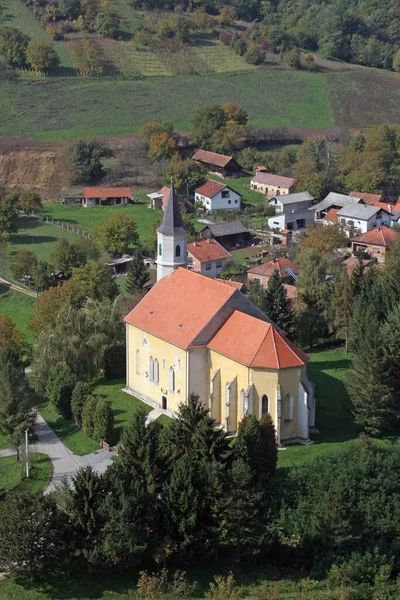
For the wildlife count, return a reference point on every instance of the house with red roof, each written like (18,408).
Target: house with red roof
(207,257)
(271,184)
(106,196)
(376,243)
(158,200)
(220,164)
(194,334)
(370,199)
(215,195)
(287,269)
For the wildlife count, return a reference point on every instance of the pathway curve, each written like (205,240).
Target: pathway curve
(65,463)
(17,288)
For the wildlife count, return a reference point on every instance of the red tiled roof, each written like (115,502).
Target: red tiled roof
(207,250)
(165,192)
(272,179)
(179,306)
(210,188)
(352,263)
(256,344)
(368,198)
(235,284)
(106,192)
(261,169)
(281,264)
(331,215)
(212,158)
(291,292)
(385,205)
(382,236)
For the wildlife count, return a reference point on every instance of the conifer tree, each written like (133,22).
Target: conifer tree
(138,274)
(369,384)
(194,431)
(276,304)
(256,444)
(342,304)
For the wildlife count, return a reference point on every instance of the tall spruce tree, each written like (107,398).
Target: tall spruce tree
(342,305)
(195,432)
(138,274)
(370,387)
(276,304)
(256,444)
(391,344)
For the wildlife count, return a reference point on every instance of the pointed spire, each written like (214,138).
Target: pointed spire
(172,218)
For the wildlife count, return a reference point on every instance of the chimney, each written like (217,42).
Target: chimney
(194,243)
(208,240)
(389,209)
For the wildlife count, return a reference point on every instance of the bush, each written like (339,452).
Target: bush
(81,392)
(292,59)
(115,362)
(254,54)
(224,589)
(103,421)
(89,415)
(226,38)
(309,62)
(60,385)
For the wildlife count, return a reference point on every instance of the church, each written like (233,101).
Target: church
(194,334)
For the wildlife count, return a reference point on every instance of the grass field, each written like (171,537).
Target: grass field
(43,108)
(11,479)
(123,406)
(328,369)
(19,307)
(89,218)
(242,186)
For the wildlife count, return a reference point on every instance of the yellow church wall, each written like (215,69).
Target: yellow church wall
(265,382)
(289,381)
(167,355)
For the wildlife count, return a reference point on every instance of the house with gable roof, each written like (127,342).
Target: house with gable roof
(376,243)
(207,257)
(195,334)
(214,195)
(220,164)
(271,184)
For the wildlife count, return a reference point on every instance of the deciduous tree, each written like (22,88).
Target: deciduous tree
(13,44)
(162,145)
(85,160)
(117,234)
(24,262)
(28,201)
(41,55)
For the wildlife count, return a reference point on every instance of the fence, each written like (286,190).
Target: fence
(63,225)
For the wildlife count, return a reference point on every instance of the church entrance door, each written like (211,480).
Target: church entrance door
(164,402)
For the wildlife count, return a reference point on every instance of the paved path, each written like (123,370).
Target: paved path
(157,412)
(65,463)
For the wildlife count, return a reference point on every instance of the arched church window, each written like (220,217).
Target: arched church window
(171,380)
(264,405)
(159,250)
(151,369)
(137,362)
(156,371)
(178,251)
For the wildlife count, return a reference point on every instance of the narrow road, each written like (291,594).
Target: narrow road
(65,463)
(17,288)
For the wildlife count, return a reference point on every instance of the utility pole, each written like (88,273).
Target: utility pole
(27,452)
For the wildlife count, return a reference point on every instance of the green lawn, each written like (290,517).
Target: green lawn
(12,479)
(241,185)
(273,98)
(19,307)
(164,420)
(123,404)
(89,218)
(328,369)
(73,437)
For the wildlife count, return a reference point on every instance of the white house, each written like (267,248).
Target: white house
(360,218)
(292,211)
(217,196)
(335,201)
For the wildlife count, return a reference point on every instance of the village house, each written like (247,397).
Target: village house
(271,184)
(214,195)
(158,199)
(220,164)
(207,257)
(106,196)
(359,218)
(231,234)
(376,243)
(291,211)
(332,200)
(287,269)
(194,334)
(353,262)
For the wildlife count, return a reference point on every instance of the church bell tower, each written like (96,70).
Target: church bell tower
(171,238)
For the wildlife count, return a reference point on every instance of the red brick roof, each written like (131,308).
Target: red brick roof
(382,236)
(235,284)
(352,263)
(331,215)
(385,205)
(272,179)
(291,292)
(106,192)
(256,344)
(212,158)
(281,264)
(207,250)
(165,192)
(210,188)
(180,306)
(368,198)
